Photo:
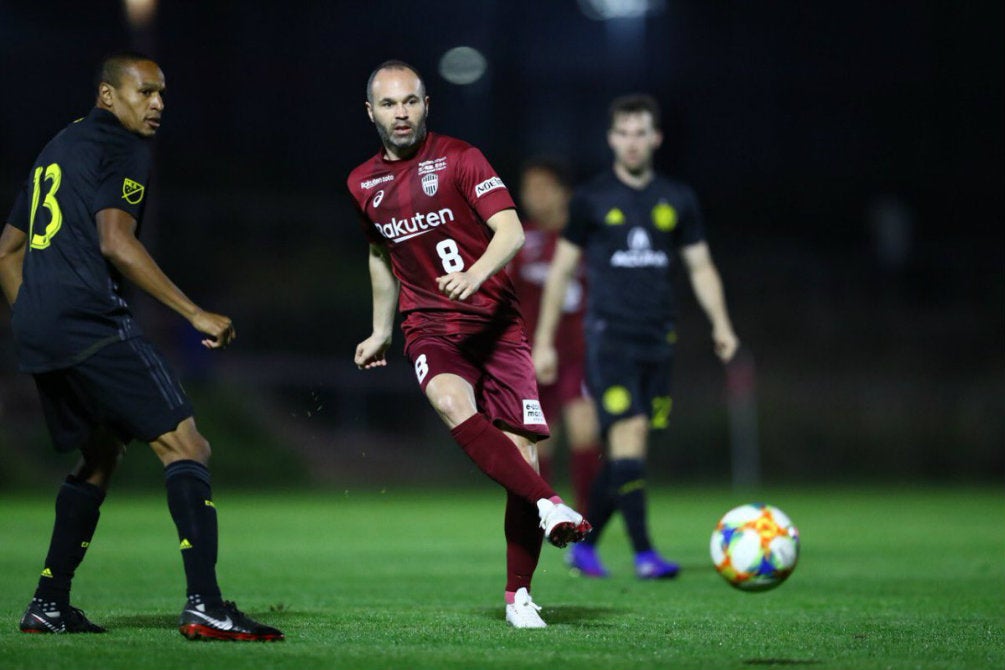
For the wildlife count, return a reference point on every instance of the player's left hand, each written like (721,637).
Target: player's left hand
(725,343)
(219,328)
(458,285)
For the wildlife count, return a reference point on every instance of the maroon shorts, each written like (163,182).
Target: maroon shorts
(500,371)
(570,385)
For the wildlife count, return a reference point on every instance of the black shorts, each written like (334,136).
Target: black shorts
(629,377)
(126,387)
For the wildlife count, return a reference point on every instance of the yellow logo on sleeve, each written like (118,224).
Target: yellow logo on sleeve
(132,191)
(664,216)
(185,544)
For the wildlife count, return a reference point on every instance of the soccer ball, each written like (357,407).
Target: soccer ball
(755,547)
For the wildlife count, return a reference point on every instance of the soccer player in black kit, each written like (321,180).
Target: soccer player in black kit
(632,225)
(69,241)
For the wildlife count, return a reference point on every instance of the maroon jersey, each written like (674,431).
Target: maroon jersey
(529,269)
(429,211)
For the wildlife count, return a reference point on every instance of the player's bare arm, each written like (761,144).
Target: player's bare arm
(707,287)
(563,267)
(13,243)
(119,244)
(506,241)
(370,353)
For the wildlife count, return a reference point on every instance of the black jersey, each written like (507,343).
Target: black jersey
(69,305)
(630,240)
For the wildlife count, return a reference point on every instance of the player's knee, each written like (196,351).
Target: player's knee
(454,407)
(198,449)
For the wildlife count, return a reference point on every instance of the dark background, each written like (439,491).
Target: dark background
(848,156)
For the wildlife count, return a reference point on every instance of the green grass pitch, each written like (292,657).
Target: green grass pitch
(887,578)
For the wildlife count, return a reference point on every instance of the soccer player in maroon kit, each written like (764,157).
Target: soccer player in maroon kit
(545,190)
(441,225)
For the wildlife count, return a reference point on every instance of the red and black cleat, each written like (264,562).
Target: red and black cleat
(49,618)
(224,622)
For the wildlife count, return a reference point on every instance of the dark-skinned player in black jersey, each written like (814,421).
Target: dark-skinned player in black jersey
(634,228)
(70,240)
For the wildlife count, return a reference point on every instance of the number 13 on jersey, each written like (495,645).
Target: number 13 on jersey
(53,174)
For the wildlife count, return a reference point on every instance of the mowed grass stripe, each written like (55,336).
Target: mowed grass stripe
(888,578)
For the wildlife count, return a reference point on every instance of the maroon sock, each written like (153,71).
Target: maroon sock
(523,542)
(544,465)
(497,456)
(585,466)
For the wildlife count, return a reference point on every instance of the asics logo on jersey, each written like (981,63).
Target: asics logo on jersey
(377,198)
(420,223)
(639,253)
(490,184)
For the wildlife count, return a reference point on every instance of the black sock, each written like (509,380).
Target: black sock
(629,485)
(190,501)
(602,503)
(77,512)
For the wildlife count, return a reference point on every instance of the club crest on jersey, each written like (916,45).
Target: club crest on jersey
(132,191)
(489,184)
(430,183)
(664,216)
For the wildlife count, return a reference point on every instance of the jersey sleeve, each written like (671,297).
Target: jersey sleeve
(124,177)
(578,229)
(481,186)
(18,216)
(370,231)
(692,228)
(365,224)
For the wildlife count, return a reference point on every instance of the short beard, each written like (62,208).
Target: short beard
(402,146)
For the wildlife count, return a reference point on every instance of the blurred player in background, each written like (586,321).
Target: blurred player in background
(441,225)
(69,241)
(632,225)
(545,189)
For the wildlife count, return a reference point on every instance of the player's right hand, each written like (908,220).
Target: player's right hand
(370,352)
(545,363)
(218,327)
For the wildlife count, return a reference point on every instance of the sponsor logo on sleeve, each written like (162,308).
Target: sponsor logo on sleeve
(489,184)
(367,184)
(132,191)
(532,413)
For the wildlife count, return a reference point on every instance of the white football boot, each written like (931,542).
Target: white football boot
(561,523)
(523,613)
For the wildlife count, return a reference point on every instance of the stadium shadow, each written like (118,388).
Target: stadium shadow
(141,621)
(583,616)
(780,661)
